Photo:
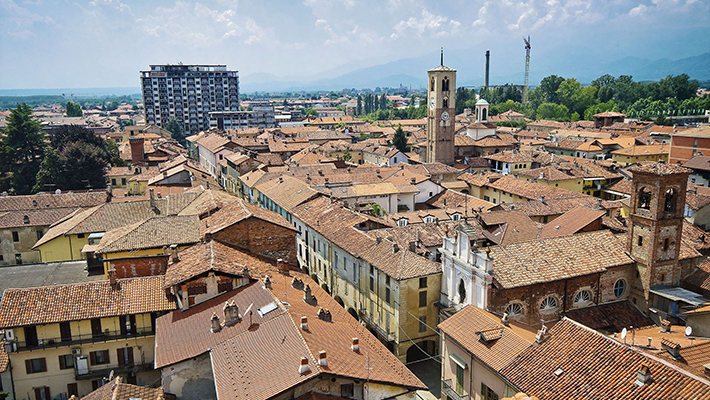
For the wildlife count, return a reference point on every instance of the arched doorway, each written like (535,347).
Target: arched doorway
(339,301)
(315,277)
(325,287)
(353,313)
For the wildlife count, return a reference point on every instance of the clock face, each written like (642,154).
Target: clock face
(445,116)
(432,102)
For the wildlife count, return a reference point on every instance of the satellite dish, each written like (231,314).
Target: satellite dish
(688,331)
(623,334)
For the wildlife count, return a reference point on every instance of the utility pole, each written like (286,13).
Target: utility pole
(527,68)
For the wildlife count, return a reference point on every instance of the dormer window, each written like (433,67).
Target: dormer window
(26,220)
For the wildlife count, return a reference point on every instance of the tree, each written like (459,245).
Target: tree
(553,111)
(376,104)
(21,150)
(77,160)
(115,154)
(73,110)
(383,102)
(176,131)
(400,140)
(359,105)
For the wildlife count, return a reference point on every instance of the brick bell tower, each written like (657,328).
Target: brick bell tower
(441,96)
(656,225)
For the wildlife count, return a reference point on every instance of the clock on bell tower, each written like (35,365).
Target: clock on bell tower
(441,94)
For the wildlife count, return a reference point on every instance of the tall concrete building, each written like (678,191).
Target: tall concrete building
(440,118)
(188,93)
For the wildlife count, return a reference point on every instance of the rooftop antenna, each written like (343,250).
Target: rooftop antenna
(527,68)
(442,56)
(250,312)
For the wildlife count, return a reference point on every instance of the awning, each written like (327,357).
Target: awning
(678,294)
(458,361)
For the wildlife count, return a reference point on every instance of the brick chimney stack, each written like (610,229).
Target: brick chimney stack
(137,154)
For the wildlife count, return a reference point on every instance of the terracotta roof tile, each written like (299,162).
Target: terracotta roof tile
(612,317)
(502,343)
(117,390)
(700,278)
(571,222)
(155,232)
(208,201)
(531,190)
(287,191)
(453,199)
(24,218)
(545,260)
(82,301)
(43,201)
(591,365)
(655,168)
(506,227)
(547,207)
(239,211)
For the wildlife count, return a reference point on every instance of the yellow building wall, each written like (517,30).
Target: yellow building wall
(496,196)
(628,160)
(119,181)
(410,313)
(137,187)
(57,379)
(158,251)
(63,248)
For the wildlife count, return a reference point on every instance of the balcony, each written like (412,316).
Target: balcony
(120,370)
(365,316)
(450,393)
(52,343)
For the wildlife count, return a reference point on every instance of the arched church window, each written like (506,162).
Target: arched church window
(445,85)
(432,84)
(514,309)
(445,103)
(462,291)
(582,297)
(670,200)
(484,114)
(549,303)
(644,199)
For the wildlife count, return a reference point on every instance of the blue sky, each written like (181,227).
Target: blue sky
(104,43)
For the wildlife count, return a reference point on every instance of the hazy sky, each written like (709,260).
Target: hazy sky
(104,43)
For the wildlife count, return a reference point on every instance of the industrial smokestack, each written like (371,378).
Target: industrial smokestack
(488,66)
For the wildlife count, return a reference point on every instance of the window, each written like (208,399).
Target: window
(549,303)
(80,235)
(422,323)
(123,181)
(422,282)
(422,299)
(26,220)
(65,331)
(40,233)
(42,393)
(619,288)
(125,356)
(644,199)
(462,292)
(66,361)
(665,244)
(99,357)
(347,390)
(73,389)
(514,309)
(640,240)
(15,236)
(670,200)
(372,283)
(36,365)
(487,393)
(387,295)
(113,181)
(582,297)
(459,380)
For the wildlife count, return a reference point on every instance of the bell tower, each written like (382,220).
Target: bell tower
(656,224)
(441,97)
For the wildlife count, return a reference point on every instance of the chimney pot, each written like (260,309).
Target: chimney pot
(304,323)
(303,368)
(112,278)
(216,326)
(267,282)
(322,360)
(355,346)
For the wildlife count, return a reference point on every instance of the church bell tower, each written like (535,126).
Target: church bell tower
(441,99)
(656,225)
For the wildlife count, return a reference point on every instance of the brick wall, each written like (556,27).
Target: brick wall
(262,238)
(144,266)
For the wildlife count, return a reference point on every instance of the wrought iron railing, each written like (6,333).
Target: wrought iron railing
(50,343)
(449,391)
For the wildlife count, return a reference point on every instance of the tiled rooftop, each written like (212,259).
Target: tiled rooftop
(577,362)
(44,201)
(503,344)
(82,301)
(117,390)
(155,232)
(545,260)
(571,222)
(655,168)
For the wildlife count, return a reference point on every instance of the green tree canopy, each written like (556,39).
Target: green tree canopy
(176,131)
(22,145)
(400,140)
(73,110)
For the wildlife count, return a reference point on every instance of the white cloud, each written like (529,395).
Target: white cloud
(22,19)
(638,10)
(429,23)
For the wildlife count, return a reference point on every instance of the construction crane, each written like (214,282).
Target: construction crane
(527,68)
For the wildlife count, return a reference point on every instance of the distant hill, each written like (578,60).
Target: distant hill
(77,92)
(581,64)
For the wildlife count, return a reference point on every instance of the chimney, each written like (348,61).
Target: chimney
(304,323)
(599,203)
(322,361)
(282,267)
(308,297)
(649,342)
(174,257)
(231,313)
(356,345)
(152,200)
(643,375)
(112,278)
(296,283)
(488,67)
(216,326)
(542,199)
(267,282)
(137,154)
(304,366)
(395,248)
(413,247)
(541,335)
(672,348)
(666,326)
(505,319)
(378,240)
(414,181)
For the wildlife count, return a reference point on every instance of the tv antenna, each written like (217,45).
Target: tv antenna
(250,312)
